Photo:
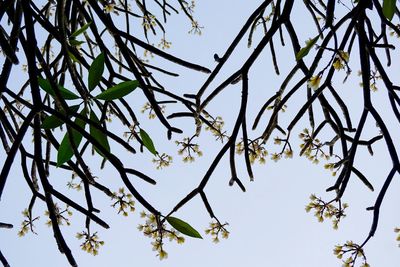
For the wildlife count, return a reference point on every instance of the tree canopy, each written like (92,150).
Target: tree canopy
(83,60)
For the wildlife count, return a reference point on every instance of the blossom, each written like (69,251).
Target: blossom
(157,230)
(397,230)
(61,218)
(215,229)
(162,161)
(326,210)
(344,55)
(215,126)
(341,59)
(314,81)
(149,109)
(27,225)
(109,8)
(353,251)
(124,202)
(196,28)
(275,157)
(288,153)
(164,44)
(162,254)
(91,244)
(149,21)
(257,150)
(189,149)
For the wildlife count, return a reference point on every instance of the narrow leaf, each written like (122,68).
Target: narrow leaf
(65,93)
(52,121)
(389,8)
(305,50)
(118,91)
(81,30)
(74,42)
(147,142)
(183,227)
(65,151)
(73,57)
(98,135)
(96,71)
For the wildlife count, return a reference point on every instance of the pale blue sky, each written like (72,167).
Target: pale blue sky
(268,223)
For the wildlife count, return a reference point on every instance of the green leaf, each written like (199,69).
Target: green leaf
(98,135)
(65,151)
(118,91)
(183,227)
(305,50)
(147,142)
(52,121)
(73,57)
(389,8)
(74,42)
(65,93)
(81,30)
(96,71)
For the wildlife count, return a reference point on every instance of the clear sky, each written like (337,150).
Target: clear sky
(268,224)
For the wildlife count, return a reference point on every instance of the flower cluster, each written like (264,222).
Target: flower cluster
(257,150)
(188,149)
(124,202)
(311,147)
(27,224)
(216,127)
(189,10)
(164,44)
(341,60)
(162,161)
(355,252)
(131,134)
(286,151)
(147,53)
(153,228)
(91,244)
(196,28)
(326,210)
(215,229)
(149,109)
(149,21)
(189,6)
(60,215)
